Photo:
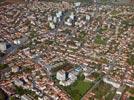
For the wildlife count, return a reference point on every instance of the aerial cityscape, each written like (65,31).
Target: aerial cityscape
(66,49)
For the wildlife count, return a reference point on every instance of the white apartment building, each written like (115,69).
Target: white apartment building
(61,75)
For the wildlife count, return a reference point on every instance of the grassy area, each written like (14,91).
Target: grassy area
(12,98)
(131,91)
(128,22)
(102,90)
(2,95)
(104,1)
(1,1)
(33,34)
(110,95)
(81,36)
(3,66)
(84,1)
(114,12)
(101,30)
(14,1)
(131,98)
(78,88)
(131,59)
(49,42)
(131,46)
(52,0)
(72,49)
(100,40)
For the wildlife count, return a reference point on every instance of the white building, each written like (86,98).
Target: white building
(72,76)
(55,19)
(111,82)
(17,41)
(59,14)
(130,83)
(66,83)
(50,18)
(15,69)
(20,40)
(3,46)
(77,4)
(72,16)
(18,82)
(52,26)
(61,75)
(68,23)
(25,97)
(87,17)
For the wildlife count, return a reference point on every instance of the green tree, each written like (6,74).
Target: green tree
(131,59)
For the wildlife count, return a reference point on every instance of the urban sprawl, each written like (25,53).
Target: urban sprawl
(66,51)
